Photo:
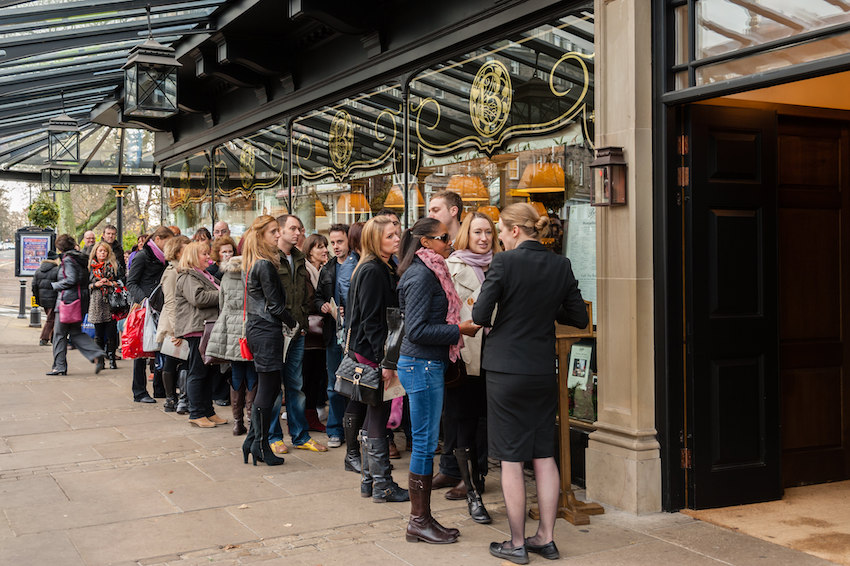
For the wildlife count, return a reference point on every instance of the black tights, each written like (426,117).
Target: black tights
(268,388)
(107,333)
(376,417)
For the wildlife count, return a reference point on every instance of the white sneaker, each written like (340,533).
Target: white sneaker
(334,442)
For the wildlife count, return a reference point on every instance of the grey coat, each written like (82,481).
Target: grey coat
(224,340)
(196,301)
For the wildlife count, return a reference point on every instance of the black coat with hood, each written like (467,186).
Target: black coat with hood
(46,274)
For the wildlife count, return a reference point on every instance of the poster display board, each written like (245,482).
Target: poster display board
(31,247)
(581,249)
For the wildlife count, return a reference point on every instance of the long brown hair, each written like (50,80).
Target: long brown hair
(254,246)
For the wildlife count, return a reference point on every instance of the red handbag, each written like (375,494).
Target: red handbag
(244,350)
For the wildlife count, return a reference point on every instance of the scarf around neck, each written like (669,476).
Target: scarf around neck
(476,261)
(437,264)
(209,276)
(156,251)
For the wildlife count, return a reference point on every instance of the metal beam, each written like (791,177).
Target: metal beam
(70,78)
(77,179)
(29,45)
(85,7)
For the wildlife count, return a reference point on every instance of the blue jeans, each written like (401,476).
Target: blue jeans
(243,371)
(423,381)
(336,402)
(293,386)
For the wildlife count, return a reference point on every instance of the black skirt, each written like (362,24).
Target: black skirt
(266,343)
(521,413)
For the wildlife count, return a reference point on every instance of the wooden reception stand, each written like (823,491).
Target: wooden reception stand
(569,508)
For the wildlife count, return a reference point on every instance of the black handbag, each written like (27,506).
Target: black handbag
(358,381)
(119,299)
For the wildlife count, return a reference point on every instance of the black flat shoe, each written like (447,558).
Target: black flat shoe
(516,555)
(145,399)
(98,365)
(57,372)
(548,551)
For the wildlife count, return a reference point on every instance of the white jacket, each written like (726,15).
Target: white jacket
(467,287)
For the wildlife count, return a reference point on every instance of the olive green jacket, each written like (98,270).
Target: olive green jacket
(297,296)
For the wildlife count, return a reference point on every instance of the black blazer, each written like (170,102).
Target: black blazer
(373,289)
(533,288)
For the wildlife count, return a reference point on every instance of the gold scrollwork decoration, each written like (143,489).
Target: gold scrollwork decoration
(247,164)
(490,144)
(341,139)
(490,98)
(303,149)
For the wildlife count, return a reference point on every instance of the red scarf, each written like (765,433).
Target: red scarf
(101,270)
(437,263)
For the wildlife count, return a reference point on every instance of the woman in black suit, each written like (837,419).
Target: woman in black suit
(533,288)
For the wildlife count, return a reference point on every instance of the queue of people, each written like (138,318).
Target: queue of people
(466,328)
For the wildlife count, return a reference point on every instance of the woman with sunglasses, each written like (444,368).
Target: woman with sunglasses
(433,329)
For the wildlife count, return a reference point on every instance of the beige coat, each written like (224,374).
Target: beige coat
(196,301)
(166,317)
(467,287)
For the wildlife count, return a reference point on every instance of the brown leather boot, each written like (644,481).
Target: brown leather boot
(422,526)
(394,455)
(249,402)
(237,404)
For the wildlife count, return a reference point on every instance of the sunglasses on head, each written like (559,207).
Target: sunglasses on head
(444,238)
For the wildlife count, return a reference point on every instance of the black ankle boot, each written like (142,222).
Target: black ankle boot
(260,449)
(351,424)
(384,489)
(473,498)
(112,364)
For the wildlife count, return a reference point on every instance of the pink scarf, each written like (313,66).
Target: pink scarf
(156,251)
(208,276)
(436,263)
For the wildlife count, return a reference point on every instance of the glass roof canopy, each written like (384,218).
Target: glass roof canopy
(74,49)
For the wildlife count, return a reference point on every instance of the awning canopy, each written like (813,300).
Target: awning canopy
(74,50)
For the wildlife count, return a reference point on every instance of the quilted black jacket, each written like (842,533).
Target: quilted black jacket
(424,303)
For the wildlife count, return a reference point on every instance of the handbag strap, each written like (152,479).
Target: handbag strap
(244,305)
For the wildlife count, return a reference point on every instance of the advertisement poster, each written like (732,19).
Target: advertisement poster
(33,251)
(581,250)
(579,368)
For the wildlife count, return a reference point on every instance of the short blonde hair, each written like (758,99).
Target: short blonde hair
(190,258)
(523,215)
(173,247)
(462,240)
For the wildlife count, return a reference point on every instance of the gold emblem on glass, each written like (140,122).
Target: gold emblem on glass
(490,98)
(341,142)
(247,164)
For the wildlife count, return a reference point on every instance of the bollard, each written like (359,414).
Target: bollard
(22,310)
(35,317)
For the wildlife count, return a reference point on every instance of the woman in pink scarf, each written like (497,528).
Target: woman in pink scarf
(432,339)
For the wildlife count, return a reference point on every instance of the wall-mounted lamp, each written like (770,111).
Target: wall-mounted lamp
(609,177)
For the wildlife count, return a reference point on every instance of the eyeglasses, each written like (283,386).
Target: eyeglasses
(444,238)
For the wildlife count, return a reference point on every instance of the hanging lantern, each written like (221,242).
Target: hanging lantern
(609,177)
(150,79)
(56,179)
(63,140)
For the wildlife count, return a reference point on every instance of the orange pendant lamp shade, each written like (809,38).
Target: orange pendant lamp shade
(320,209)
(542,178)
(538,206)
(469,187)
(491,211)
(395,198)
(352,203)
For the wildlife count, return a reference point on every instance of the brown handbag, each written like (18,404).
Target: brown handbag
(455,375)
(315,339)
(205,340)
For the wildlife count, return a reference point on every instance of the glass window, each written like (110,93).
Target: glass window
(186,197)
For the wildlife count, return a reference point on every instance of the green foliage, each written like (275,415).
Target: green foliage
(43,212)
(129,241)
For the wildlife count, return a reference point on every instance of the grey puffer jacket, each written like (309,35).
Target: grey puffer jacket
(196,301)
(224,339)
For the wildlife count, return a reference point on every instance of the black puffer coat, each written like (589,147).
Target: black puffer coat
(73,281)
(42,288)
(425,306)
(145,272)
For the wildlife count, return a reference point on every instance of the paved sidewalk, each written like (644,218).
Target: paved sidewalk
(89,477)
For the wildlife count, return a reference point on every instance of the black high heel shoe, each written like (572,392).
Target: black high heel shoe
(249,439)
(260,449)
(57,372)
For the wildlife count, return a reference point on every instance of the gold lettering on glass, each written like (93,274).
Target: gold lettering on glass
(490,98)
(341,142)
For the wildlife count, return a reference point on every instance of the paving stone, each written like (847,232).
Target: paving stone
(147,447)
(62,440)
(32,491)
(236,491)
(47,548)
(35,458)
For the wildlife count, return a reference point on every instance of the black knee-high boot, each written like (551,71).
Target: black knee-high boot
(260,449)
(169,382)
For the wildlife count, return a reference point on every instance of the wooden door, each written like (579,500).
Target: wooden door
(814,243)
(731,307)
